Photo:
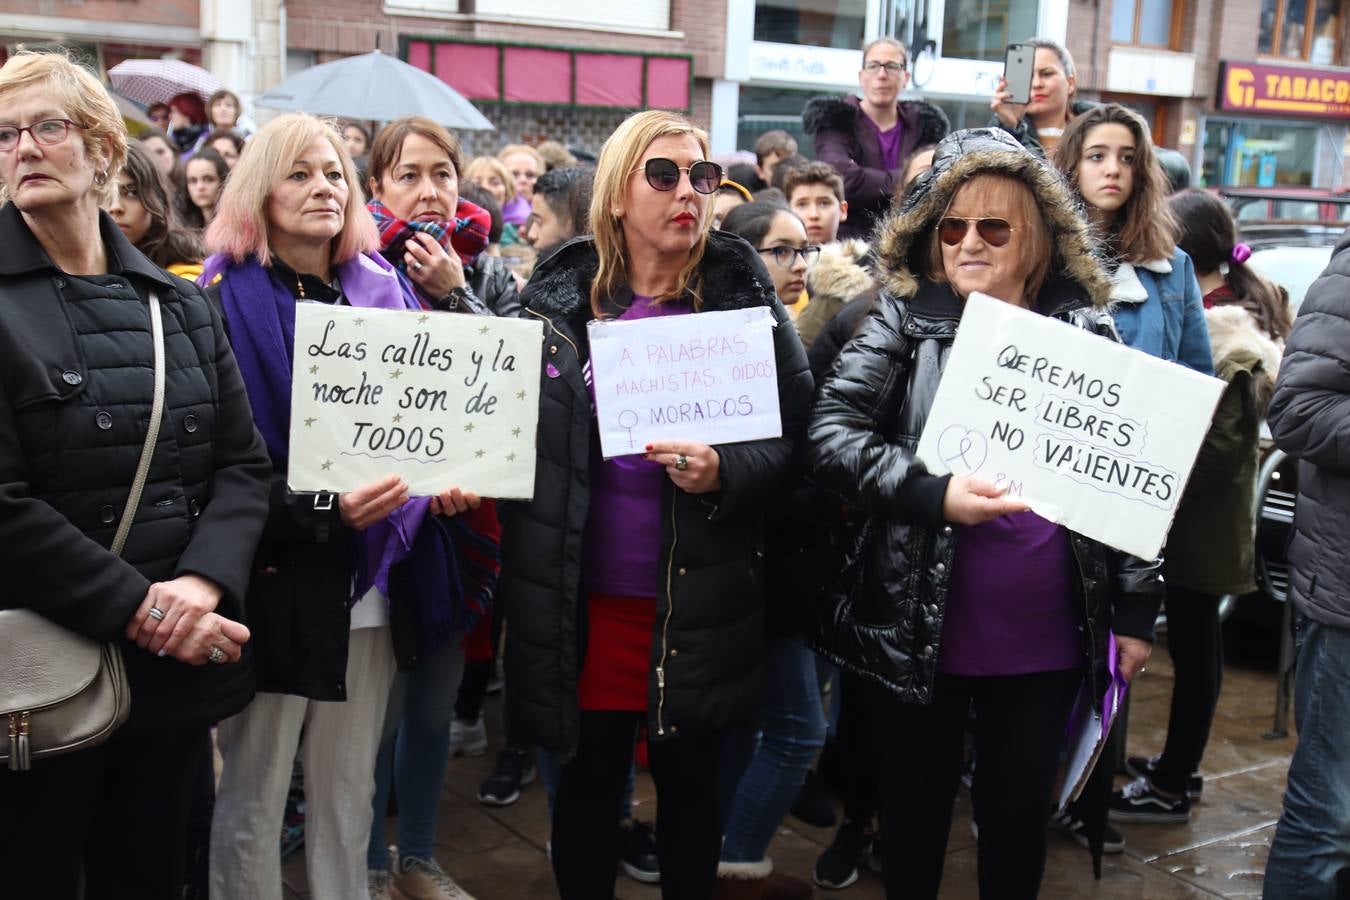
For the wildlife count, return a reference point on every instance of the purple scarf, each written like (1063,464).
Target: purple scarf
(261,316)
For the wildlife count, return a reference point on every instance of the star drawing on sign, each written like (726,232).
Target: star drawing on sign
(515,432)
(327,464)
(468,426)
(398,417)
(396,373)
(479,454)
(314,370)
(310,421)
(520,395)
(483,330)
(422,319)
(510,457)
(358,321)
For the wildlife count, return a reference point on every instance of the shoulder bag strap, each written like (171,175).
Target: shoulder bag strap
(151,436)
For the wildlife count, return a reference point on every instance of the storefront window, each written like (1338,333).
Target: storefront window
(1260,154)
(982,29)
(766,108)
(837,23)
(1286,31)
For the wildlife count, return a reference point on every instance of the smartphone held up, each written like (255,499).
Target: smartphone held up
(1018,67)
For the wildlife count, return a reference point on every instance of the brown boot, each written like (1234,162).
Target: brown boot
(758,881)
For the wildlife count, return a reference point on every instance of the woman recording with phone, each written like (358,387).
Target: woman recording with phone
(1040,122)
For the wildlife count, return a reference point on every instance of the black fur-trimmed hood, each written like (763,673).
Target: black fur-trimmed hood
(734,277)
(961,156)
(839,112)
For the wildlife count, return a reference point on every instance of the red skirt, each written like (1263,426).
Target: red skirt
(617,667)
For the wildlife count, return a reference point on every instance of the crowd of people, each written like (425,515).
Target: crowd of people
(715,610)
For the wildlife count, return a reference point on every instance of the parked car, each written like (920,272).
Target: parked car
(1299,205)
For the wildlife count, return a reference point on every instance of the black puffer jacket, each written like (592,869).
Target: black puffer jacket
(707,649)
(1025,130)
(850,145)
(870,413)
(76,382)
(1310,419)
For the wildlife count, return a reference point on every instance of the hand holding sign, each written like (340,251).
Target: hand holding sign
(695,468)
(970,501)
(372,503)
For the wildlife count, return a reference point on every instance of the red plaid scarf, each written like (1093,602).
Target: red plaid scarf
(467,234)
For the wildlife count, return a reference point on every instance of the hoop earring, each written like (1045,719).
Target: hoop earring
(100,178)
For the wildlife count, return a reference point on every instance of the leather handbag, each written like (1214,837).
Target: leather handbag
(62,691)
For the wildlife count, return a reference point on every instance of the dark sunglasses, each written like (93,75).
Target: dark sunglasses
(664,175)
(994,232)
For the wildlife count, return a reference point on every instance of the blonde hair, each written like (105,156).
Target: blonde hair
(506,151)
(240,228)
(85,100)
(485,164)
(618,158)
(1035,243)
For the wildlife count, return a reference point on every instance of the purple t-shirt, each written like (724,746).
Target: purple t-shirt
(622,554)
(889,141)
(1010,605)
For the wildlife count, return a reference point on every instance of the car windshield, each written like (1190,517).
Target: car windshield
(1293,268)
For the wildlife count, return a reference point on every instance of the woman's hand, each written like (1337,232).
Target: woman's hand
(1131,654)
(372,503)
(454,501)
(700,473)
(213,630)
(970,501)
(170,611)
(433,270)
(1008,113)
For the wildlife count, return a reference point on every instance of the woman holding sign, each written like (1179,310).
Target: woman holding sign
(337,596)
(634,586)
(965,596)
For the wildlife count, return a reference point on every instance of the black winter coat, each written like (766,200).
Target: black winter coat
(870,412)
(850,145)
(707,649)
(491,282)
(76,383)
(1310,419)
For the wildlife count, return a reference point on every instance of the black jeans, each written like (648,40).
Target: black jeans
(121,811)
(857,746)
(1019,730)
(1195,643)
(585,839)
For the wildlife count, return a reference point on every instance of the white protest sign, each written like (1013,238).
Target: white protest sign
(708,377)
(442,399)
(1089,433)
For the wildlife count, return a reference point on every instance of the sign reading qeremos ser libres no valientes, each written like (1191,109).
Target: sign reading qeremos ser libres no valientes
(1087,432)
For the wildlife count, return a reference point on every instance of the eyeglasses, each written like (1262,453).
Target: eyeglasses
(994,232)
(48,132)
(892,68)
(664,175)
(785,256)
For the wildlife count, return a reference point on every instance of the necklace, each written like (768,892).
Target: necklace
(299,285)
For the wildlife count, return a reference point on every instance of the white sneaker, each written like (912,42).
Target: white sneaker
(378,882)
(468,738)
(424,879)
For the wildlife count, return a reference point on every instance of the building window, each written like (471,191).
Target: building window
(982,29)
(1145,23)
(837,24)
(1269,154)
(1301,29)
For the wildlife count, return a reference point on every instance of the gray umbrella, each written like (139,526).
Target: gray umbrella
(377,87)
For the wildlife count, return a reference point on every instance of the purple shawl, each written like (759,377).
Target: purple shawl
(261,316)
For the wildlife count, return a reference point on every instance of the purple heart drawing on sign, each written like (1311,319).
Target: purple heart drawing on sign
(962,450)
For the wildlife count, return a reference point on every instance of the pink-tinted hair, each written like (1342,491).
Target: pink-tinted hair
(239,229)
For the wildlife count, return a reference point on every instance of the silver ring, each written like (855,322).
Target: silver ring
(681,462)
(216,655)
(156,613)
(417,266)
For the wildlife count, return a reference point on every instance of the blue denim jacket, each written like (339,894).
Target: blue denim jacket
(1158,310)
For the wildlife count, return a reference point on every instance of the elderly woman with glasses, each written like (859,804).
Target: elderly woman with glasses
(634,586)
(869,139)
(966,597)
(77,386)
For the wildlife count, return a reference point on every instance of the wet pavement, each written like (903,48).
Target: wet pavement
(1221,852)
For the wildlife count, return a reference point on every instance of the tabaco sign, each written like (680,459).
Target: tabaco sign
(1294,91)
